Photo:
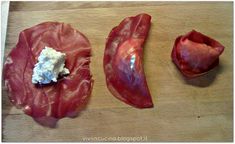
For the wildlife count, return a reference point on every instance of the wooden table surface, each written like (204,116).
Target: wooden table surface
(184,110)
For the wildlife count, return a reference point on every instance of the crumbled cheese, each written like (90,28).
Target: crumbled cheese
(50,65)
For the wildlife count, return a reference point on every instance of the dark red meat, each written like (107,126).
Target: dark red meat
(47,104)
(123,61)
(195,54)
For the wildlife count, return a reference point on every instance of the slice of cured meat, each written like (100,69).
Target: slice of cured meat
(195,54)
(123,65)
(48,103)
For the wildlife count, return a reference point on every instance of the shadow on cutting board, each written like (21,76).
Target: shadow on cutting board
(6,104)
(204,80)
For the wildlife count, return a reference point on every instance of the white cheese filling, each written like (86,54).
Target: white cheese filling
(49,67)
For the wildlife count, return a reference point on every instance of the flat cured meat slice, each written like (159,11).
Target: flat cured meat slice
(48,103)
(123,56)
(195,54)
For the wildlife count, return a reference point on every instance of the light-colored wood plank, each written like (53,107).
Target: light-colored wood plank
(60,5)
(193,110)
(123,122)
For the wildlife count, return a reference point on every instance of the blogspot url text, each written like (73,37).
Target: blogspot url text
(119,139)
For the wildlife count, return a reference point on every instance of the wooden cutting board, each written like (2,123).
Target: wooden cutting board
(184,110)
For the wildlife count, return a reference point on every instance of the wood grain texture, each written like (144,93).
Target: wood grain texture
(200,109)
